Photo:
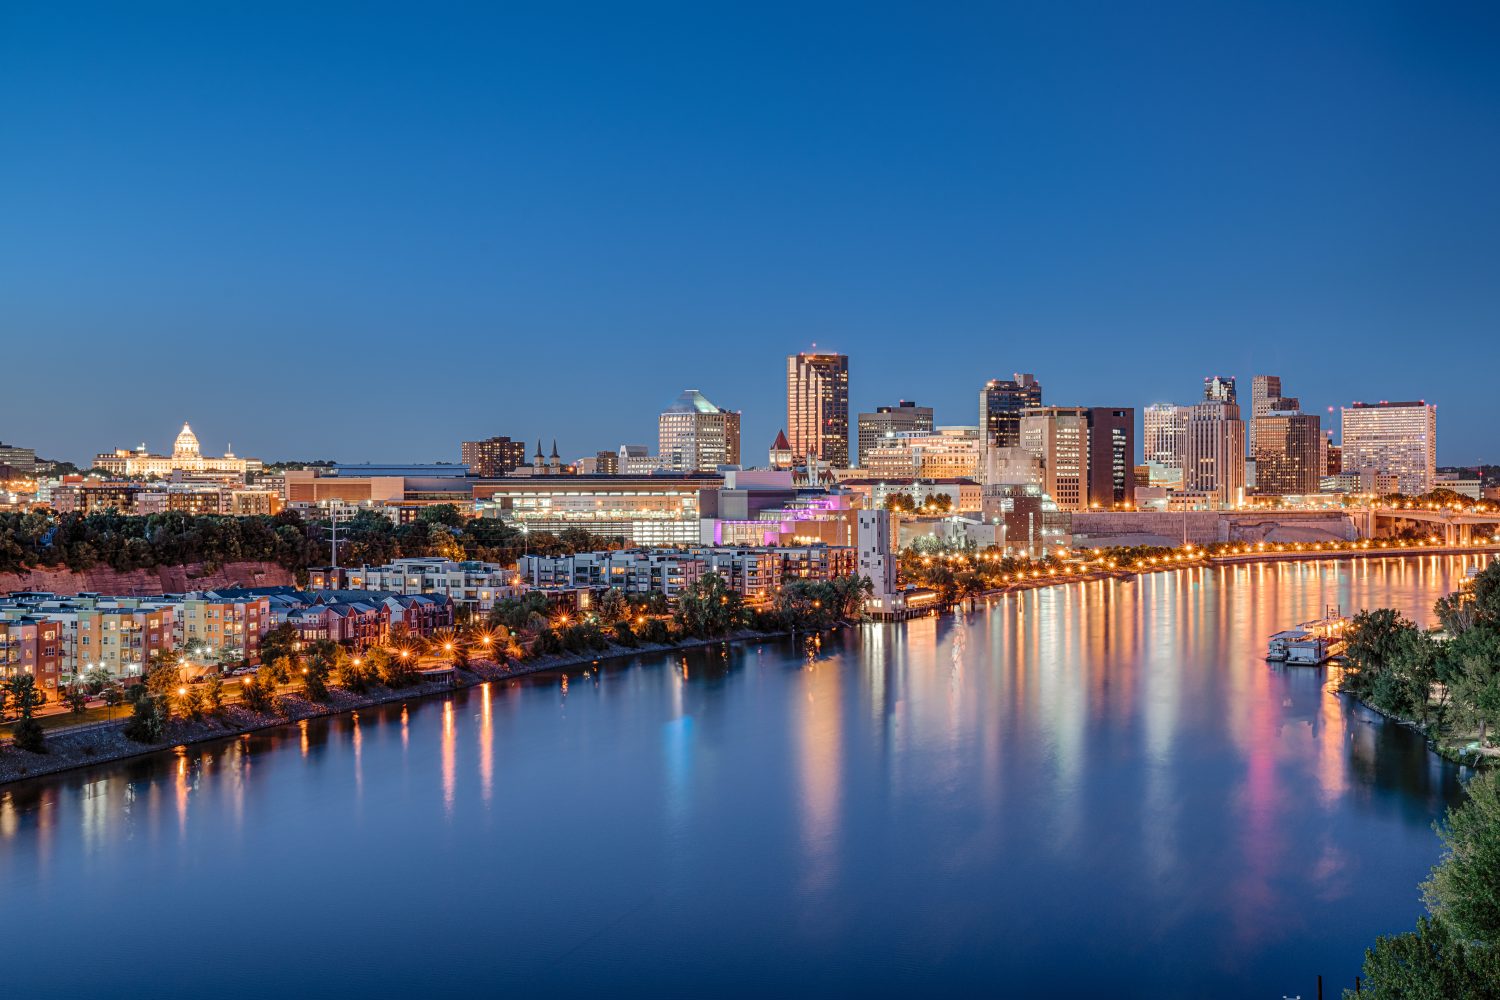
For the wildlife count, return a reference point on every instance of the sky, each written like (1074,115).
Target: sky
(370,231)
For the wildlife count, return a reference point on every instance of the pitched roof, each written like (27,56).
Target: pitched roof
(781,443)
(692,401)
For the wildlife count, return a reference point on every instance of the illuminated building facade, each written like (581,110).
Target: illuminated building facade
(1398,439)
(817,408)
(694,435)
(186,456)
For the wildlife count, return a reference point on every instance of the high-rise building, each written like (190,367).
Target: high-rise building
(1059,437)
(493,456)
(1000,404)
(694,435)
(947,453)
(606,463)
(1398,439)
(20,463)
(904,418)
(1219,389)
(1111,455)
(1214,451)
(1165,426)
(1288,448)
(1265,396)
(817,408)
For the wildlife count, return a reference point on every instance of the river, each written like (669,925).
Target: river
(1094,789)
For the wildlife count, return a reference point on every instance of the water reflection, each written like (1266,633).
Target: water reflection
(1091,785)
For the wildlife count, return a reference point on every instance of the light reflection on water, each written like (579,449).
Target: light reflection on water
(1065,789)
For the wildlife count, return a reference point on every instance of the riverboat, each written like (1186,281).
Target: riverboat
(1311,643)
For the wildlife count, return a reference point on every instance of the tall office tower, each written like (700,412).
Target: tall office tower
(493,456)
(905,418)
(1214,452)
(817,408)
(1398,439)
(1288,447)
(1000,404)
(694,435)
(1165,425)
(1220,389)
(1111,455)
(1059,437)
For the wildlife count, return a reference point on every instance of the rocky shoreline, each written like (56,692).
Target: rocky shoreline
(106,743)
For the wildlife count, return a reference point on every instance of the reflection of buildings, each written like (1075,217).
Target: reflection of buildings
(186,457)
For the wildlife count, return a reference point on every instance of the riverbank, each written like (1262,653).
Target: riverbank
(105,742)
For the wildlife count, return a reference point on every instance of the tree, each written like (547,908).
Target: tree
(97,680)
(612,607)
(1372,641)
(398,671)
(259,691)
(27,732)
(710,607)
(281,641)
(213,695)
(190,702)
(1430,963)
(902,503)
(354,673)
(1470,667)
(148,719)
(77,697)
(1464,890)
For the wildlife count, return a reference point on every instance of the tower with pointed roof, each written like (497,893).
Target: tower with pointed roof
(694,435)
(781,452)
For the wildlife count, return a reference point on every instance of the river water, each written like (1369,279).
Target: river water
(1095,789)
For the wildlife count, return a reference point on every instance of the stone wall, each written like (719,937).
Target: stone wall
(1103,529)
(163,580)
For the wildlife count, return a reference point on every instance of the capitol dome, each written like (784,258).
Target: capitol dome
(187,444)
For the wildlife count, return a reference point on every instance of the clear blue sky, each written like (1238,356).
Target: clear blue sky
(369,231)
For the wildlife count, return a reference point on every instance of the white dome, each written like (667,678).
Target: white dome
(187,442)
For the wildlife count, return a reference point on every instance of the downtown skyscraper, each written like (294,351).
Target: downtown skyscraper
(1000,404)
(817,408)
(1398,439)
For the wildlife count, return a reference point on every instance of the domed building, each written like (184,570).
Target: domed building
(187,456)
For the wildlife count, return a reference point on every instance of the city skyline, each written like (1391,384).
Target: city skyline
(502,202)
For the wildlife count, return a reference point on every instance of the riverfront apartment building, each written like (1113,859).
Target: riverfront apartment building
(753,572)
(657,509)
(1059,437)
(115,634)
(224,628)
(887,421)
(1214,450)
(1398,439)
(817,408)
(494,456)
(471,584)
(694,435)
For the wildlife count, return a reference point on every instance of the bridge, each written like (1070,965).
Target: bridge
(1451,527)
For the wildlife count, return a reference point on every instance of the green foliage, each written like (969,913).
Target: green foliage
(27,734)
(527,612)
(355,673)
(148,719)
(163,678)
(213,695)
(612,606)
(1464,890)
(77,698)
(190,702)
(113,695)
(1374,639)
(398,671)
(97,680)
(260,691)
(1430,963)
(710,607)
(279,643)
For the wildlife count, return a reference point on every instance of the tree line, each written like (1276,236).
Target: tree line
(42,539)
